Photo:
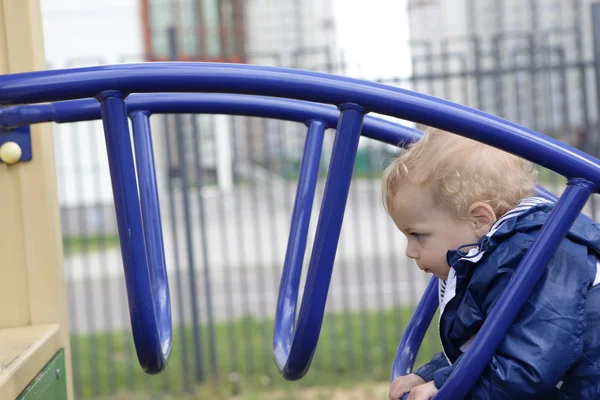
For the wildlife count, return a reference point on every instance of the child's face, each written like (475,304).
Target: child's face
(430,231)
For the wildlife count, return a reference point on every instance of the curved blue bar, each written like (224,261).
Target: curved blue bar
(207,103)
(519,288)
(335,195)
(152,342)
(45,86)
(415,331)
(153,238)
(279,82)
(285,316)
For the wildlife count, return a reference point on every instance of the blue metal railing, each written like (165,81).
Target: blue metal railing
(139,107)
(355,98)
(207,103)
(415,331)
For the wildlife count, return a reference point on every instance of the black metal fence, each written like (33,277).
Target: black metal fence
(226,223)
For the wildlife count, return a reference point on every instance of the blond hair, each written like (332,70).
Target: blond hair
(460,172)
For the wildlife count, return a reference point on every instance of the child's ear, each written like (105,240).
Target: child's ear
(483,217)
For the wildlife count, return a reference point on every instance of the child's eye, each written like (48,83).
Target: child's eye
(417,236)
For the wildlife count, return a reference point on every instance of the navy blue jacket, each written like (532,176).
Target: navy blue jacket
(552,350)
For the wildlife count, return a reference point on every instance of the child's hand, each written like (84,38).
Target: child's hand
(403,384)
(423,392)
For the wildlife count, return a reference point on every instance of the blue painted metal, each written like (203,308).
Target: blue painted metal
(22,137)
(406,354)
(294,363)
(153,238)
(169,103)
(319,118)
(285,317)
(407,351)
(14,117)
(294,351)
(147,289)
(45,86)
(519,288)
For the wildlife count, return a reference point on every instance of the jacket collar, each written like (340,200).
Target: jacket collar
(502,226)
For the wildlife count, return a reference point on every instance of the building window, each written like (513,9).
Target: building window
(206,30)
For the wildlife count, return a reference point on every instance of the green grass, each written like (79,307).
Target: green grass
(346,355)
(82,244)
(550,179)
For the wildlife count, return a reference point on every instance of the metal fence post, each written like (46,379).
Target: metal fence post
(181,152)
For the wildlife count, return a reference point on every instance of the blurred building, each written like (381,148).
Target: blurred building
(208,30)
(486,17)
(283,32)
(291,33)
(526,60)
(298,33)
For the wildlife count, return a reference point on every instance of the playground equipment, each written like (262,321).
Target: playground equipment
(33,318)
(147,291)
(294,341)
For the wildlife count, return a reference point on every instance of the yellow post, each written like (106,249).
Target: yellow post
(33,313)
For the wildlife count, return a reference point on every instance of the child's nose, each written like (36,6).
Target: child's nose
(411,252)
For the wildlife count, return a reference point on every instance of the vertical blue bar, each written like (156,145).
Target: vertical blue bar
(325,246)
(518,290)
(415,331)
(155,253)
(129,222)
(285,316)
